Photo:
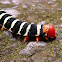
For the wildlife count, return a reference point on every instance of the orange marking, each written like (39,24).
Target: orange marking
(26,38)
(3,28)
(46,38)
(45,28)
(37,39)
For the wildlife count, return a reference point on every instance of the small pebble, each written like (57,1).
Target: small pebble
(24,59)
(16,2)
(43,22)
(24,6)
(60,9)
(50,2)
(58,61)
(33,5)
(5,2)
(61,19)
(11,61)
(61,26)
(54,0)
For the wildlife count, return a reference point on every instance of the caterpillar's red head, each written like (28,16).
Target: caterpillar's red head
(49,31)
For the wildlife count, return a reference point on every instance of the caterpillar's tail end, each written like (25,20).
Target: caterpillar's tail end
(26,38)
(3,28)
(37,39)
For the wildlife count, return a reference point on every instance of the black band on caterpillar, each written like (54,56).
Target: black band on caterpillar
(16,26)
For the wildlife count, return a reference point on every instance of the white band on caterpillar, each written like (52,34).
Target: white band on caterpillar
(38,30)
(27,30)
(13,23)
(2,15)
(21,26)
(1,10)
(6,19)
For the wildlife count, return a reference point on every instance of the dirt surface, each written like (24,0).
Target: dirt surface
(13,49)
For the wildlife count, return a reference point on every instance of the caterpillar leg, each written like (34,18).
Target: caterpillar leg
(46,37)
(26,38)
(3,28)
(37,38)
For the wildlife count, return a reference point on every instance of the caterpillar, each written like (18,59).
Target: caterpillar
(8,22)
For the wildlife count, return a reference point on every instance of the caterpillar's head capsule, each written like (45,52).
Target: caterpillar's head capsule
(49,31)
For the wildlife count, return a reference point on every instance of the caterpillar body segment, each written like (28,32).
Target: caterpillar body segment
(16,26)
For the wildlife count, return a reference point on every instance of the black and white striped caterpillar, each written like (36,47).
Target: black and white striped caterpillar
(16,26)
